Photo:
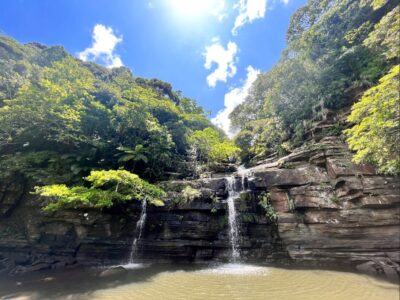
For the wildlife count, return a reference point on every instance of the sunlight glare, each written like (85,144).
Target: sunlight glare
(197,8)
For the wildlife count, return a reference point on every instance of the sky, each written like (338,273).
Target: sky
(211,50)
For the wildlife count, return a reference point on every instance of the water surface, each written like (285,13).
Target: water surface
(229,281)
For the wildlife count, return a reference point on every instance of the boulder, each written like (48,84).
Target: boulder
(280,200)
(319,196)
(289,177)
(380,268)
(112,272)
(40,266)
(337,167)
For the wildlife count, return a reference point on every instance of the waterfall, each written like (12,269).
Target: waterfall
(138,231)
(233,226)
(243,173)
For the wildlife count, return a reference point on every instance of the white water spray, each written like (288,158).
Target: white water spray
(233,226)
(243,173)
(138,231)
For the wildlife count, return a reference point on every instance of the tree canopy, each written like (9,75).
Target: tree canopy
(337,49)
(376,134)
(106,189)
(84,134)
(60,118)
(212,147)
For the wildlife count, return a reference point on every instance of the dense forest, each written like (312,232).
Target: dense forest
(111,135)
(62,119)
(339,53)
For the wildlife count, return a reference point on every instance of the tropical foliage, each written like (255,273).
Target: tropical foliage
(212,146)
(376,134)
(60,118)
(106,189)
(337,49)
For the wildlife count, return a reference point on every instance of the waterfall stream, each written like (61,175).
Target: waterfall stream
(138,231)
(243,173)
(233,226)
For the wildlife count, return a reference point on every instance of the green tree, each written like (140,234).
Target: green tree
(375,135)
(384,39)
(213,147)
(60,118)
(336,50)
(107,188)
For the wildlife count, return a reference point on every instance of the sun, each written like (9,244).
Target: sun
(196,8)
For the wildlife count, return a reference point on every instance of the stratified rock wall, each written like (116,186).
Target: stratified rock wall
(329,212)
(184,230)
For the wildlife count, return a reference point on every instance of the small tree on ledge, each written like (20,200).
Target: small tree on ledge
(106,189)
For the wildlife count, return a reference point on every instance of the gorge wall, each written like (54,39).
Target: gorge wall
(328,211)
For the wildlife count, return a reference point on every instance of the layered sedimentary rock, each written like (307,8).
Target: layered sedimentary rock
(328,210)
(183,230)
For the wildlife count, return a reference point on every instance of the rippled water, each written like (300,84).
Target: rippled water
(231,281)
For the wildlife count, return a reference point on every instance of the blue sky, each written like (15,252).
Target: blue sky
(211,50)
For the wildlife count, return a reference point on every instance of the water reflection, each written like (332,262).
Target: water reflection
(175,282)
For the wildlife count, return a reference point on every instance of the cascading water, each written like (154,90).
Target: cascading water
(243,173)
(233,226)
(138,231)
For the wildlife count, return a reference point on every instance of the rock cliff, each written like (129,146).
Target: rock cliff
(328,210)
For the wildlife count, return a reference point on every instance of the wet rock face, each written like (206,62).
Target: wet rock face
(329,211)
(11,193)
(185,230)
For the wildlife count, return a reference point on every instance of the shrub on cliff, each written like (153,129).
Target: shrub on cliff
(212,147)
(376,134)
(106,189)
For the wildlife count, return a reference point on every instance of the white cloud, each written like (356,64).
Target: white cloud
(218,9)
(249,10)
(286,2)
(103,46)
(232,99)
(224,58)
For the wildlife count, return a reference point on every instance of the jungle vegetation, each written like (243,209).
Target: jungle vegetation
(63,121)
(339,53)
(90,136)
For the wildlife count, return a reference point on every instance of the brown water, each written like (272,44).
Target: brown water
(186,283)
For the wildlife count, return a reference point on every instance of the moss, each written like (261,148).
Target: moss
(288,165)
(250,218)
(290,202)
(186,195)
(334,130)
(243,206)
(335,199)
(264,201)
(215,202)
(223,221)
(157,202)
(189,193)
